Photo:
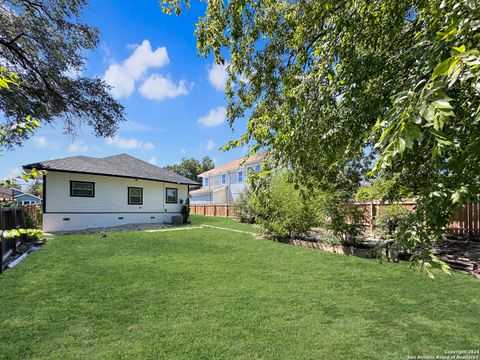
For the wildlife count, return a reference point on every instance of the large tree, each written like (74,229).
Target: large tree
(191,168)
(383,88)
(44,42)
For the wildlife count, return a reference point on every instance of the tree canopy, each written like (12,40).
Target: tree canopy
(191,168)
(375,88)
(35,188)
(43,43)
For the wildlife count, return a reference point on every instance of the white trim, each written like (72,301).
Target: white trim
(28,194)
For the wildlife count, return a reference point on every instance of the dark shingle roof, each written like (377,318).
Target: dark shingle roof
(118,165)
(6,193)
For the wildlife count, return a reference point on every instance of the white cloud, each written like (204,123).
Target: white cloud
(14,172)
(40,142)
(131,143)
(210,145)
(217,75)
(148,146)
(214,117)
(153,160)
(78,147)
(122,76)
(183,151)
(158,87)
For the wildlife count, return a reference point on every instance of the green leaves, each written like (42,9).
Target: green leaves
(32,234)
(444,67)
(44,42)
(7,78)
(342,91)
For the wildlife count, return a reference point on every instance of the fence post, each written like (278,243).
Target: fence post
(371,215)
(23,221)
(14,214)
(2,250)
(214,210)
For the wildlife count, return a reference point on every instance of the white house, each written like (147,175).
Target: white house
(223,184)
(83,192)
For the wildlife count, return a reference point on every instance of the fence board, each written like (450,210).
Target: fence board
(465,218)
(225,210)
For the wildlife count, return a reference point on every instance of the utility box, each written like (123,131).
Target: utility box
(177,219)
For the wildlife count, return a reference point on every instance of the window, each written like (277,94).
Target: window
(205,181)
(26,202)
(249,168)
(224,178)
(171,195)
(257,167)
(240,176)
(82,189)
(135,196)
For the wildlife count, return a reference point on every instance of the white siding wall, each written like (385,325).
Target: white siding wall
(205,198)
(110,202)
(234,186)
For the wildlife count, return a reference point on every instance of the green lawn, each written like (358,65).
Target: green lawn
(209,293)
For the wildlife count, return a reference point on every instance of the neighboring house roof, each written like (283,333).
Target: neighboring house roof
(207,190)
(6,194)
(122,165)
(28,194)
(235,164)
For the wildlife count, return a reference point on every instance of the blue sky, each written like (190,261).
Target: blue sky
(174,99)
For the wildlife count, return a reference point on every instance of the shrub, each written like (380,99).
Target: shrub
(33,223)
(389,222)
(281,209)
(243,207)
(336,214)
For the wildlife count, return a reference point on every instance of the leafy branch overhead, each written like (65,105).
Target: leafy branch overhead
(43,42)
(339,91)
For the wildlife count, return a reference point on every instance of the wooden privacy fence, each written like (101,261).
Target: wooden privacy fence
(212,209)
(465,220)
(35,213)
(10,218)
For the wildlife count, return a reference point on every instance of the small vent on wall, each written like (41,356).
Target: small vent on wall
(66,219)
(120,218)
(152,217)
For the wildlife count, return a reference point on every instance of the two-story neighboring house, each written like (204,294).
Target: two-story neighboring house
(223,184)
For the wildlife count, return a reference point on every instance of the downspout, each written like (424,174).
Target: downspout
(163,197)
(44,191)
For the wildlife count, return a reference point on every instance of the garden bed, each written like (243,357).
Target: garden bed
(462,255)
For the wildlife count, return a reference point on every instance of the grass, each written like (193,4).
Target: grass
(221,222)
(209,293)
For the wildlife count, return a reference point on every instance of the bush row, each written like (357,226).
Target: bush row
(284,210)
